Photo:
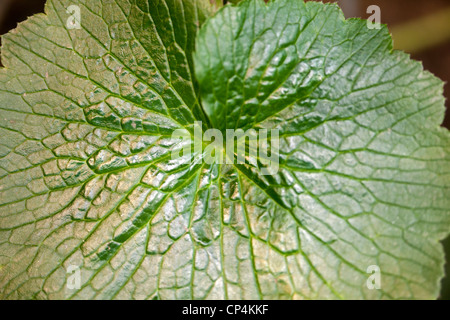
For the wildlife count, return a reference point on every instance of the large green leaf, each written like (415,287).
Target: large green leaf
(87,178)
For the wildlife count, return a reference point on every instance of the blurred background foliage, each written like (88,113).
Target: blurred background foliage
(421,28)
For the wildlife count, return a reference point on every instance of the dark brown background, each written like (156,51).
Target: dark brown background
(393,12)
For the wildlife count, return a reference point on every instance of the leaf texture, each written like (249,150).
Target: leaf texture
(87,180)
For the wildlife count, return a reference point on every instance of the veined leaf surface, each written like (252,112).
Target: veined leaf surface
(87,178)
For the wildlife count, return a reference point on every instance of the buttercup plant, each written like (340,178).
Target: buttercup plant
(237,147)
(94,205)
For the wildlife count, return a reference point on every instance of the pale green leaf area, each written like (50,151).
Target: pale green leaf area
(87,179)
